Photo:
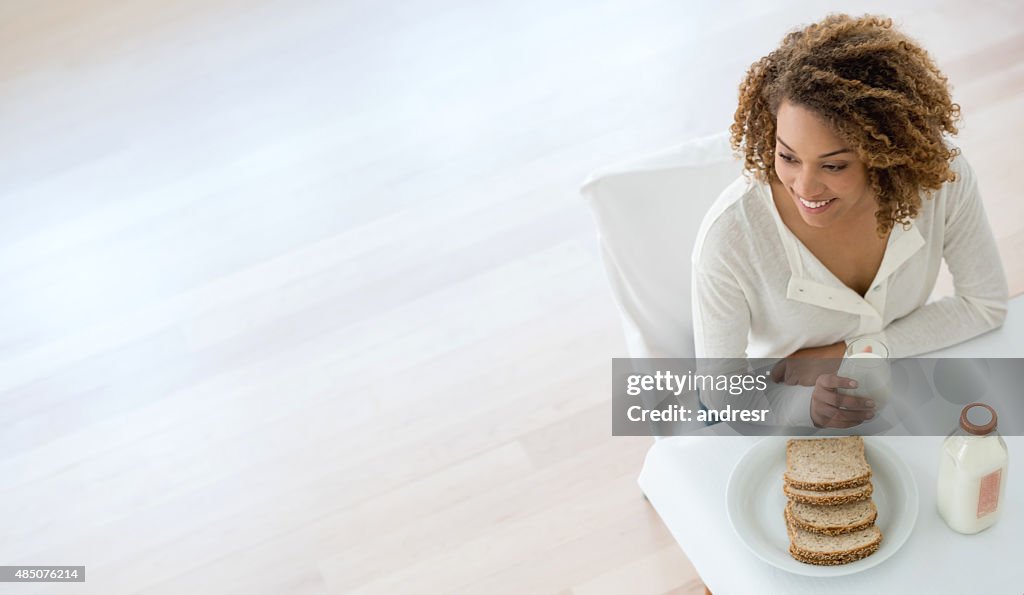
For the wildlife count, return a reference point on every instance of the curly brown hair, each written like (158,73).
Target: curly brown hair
(877,89)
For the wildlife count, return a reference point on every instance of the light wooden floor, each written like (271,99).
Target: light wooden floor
(299,297)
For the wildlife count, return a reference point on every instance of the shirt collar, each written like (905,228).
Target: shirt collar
(903,243)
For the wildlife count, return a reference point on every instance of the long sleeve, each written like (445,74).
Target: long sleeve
(980,301)
(721,315)
(721,318)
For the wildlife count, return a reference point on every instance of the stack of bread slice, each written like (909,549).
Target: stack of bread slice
(829,512)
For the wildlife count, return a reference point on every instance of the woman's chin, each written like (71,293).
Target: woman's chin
(816,220)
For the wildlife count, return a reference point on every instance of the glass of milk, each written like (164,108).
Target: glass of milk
(972,472)
(867,362)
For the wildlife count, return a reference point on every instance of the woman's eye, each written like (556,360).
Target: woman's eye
(835,168)
(786,158)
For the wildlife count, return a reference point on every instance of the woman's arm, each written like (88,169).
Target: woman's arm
(721,323)
(721,315)
(979,303)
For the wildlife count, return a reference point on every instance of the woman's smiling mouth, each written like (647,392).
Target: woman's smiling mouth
(815,206)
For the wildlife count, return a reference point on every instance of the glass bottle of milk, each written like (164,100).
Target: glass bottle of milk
(972,472)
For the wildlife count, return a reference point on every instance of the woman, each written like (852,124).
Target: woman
(855,198)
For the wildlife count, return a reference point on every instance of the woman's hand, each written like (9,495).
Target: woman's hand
(805,366)
(817,367)
(829,409)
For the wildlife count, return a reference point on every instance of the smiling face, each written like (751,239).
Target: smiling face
(822,176)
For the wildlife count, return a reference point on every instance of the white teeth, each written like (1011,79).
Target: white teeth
(815,205)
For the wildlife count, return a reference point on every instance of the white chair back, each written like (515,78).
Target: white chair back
(648,213)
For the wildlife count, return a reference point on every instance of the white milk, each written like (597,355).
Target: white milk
(972,480)
(873,376)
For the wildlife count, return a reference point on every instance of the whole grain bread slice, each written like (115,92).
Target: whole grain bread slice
(826,464)
(815,548)
(837,561)
(832,520)
(832,498)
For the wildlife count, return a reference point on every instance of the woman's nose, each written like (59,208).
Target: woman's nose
(806,184)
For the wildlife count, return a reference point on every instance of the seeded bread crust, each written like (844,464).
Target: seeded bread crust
(833,557)
(862,514)
(864,553)
(826,464)
(833,498)
(830,487)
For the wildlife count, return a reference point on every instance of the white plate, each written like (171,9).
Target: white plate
(755,503)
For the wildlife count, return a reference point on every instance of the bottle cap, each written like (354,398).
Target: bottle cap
(976,428)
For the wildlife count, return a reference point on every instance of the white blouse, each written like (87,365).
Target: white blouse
(760,293)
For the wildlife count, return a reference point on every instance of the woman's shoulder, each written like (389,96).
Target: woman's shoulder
(735,222)
(960,166)
(962,190)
